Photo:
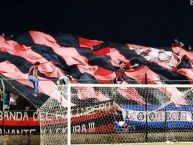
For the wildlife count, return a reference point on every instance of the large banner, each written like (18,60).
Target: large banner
(19,122)
(94,118)
(171,117)
(135,117)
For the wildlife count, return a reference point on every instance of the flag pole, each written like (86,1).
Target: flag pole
(3,91)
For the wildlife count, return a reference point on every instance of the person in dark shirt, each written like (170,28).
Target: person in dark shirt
(33,77)
(120,71)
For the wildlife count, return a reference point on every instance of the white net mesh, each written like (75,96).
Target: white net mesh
(118,114)
(53,118)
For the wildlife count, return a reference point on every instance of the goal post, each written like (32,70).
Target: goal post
(69,114)
(54,116)
(117,113)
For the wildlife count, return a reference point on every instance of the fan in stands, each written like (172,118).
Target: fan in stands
(120,71)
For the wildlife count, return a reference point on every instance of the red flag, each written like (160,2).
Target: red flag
(88,43)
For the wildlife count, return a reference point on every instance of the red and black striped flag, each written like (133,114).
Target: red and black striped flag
(88,61)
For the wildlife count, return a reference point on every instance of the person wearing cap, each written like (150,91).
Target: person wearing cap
(33,77)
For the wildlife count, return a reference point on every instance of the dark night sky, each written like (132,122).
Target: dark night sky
(147,22)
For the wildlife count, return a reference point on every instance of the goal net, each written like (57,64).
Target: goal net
(110,113)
